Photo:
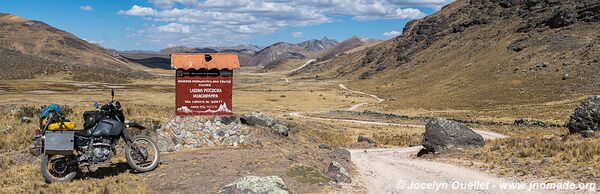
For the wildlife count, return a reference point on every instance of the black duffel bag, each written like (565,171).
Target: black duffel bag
(90,118)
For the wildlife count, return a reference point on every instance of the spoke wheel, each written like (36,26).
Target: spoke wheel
(143,154)
(56,168)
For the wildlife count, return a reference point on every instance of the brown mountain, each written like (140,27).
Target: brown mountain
(351,44)
(42,42)
(282,51)
(482,53)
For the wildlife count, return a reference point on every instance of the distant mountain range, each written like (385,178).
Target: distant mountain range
(29,48)
(252,55)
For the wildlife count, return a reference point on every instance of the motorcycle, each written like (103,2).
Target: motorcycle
(64,152)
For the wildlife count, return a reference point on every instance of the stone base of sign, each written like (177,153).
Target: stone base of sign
(186,132)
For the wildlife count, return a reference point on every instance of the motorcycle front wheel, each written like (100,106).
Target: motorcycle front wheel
(56,168)
(142,155)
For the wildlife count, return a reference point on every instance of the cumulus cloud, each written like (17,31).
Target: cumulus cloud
(297,34)
(86,8)
(139,11)
(215,21)
(392,33)
(175,28)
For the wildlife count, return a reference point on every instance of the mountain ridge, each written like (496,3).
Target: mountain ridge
(45,43)
(459,55)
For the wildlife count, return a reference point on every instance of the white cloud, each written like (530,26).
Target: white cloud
(175,28)
(86,8)
(392,33)
(166,4)
(218,21)
(297,34)
(139,11)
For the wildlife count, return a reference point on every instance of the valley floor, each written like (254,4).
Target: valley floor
(319,112)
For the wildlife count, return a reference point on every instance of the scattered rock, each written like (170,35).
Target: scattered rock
(541,66)
(228,119)
(255,184)
(563,17)
(586,116)
(587,133)
(495,148)
(281,129)
(442,134)
(565,76)
(365,139)
(26,119)
(260,119)
(342,154)
(531,123)
(338,173)
(546,160)
(521,44)
(283,96)
(324,146)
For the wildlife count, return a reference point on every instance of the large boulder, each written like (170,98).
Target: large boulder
(338,173)
(255,184)
(260,119)
(586,116)
(442,134)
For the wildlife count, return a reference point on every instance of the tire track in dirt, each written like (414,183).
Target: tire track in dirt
(393,170)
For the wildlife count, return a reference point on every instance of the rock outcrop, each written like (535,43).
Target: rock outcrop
(365,139)
(260,119)
(586,116)
(338,173)
(255,184)
(442,134)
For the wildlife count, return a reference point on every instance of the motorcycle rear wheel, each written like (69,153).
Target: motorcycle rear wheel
(137,154)
(60,171)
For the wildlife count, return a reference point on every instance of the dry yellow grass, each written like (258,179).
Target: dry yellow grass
(21,179)
(549,154)
(153,101)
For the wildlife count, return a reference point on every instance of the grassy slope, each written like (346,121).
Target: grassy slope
(432,68)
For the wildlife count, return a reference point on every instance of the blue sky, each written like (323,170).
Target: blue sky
(156,24)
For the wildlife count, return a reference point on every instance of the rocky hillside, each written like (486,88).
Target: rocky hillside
(28,46)
(282,51)
(318,45)
(348,45)
(475,53)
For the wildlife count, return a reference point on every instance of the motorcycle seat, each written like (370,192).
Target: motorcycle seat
(84,132)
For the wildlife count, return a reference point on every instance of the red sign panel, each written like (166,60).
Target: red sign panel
(203,95)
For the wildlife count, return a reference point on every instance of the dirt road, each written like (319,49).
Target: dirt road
(397,170)
(305,64)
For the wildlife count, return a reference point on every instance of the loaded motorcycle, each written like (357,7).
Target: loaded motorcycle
(65,151)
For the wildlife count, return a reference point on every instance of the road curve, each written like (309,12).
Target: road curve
(362,93)
(305,64)
(397,170)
